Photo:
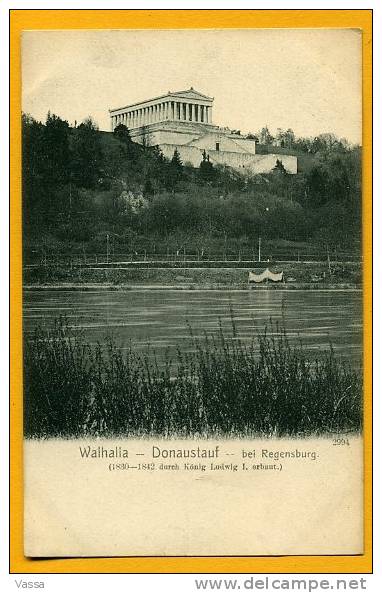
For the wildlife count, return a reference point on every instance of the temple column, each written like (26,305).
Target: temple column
(193,113)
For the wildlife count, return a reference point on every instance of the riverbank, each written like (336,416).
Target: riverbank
(180,287)
(297,276)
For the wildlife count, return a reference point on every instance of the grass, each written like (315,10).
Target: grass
(349,273)
(223,388)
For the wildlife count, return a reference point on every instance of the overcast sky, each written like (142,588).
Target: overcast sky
(305,79)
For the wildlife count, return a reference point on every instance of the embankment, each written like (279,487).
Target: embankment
(296,275)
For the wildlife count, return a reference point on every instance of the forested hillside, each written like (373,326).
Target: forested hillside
(80,185)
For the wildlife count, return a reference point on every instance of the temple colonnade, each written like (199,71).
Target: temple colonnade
(135,117)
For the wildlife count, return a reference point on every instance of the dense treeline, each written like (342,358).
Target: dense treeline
(80,184)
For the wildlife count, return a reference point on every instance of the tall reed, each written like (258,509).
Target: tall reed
(225,387)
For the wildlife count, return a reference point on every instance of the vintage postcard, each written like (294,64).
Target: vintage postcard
(193,334)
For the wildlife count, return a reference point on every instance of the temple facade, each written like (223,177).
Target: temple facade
(182,120)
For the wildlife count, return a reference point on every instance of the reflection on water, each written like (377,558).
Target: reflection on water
(161,317)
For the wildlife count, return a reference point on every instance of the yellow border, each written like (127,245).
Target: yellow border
(174,19)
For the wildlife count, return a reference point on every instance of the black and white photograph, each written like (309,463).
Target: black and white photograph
(192,291)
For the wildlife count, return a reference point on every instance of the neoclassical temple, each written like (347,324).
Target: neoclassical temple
(182,120)
(174,106)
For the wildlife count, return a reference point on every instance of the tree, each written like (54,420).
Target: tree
(265,136)
(122,133)
(86,154)
(174,171)
(285,138)
(317,186)
(56,138)
(206,169)
(33,167)
(279,168)
(130,148)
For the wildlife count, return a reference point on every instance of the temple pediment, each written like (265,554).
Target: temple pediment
(191,94)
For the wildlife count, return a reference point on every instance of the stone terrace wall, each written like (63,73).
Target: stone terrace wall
(239,161)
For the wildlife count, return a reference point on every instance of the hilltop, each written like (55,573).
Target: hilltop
(83,187)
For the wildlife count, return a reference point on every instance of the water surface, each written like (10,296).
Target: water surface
(161,317)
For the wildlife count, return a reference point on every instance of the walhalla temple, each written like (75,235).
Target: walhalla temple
(183,120)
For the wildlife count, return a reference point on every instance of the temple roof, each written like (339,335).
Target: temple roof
(190,93)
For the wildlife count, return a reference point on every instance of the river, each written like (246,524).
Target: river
(161,317)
